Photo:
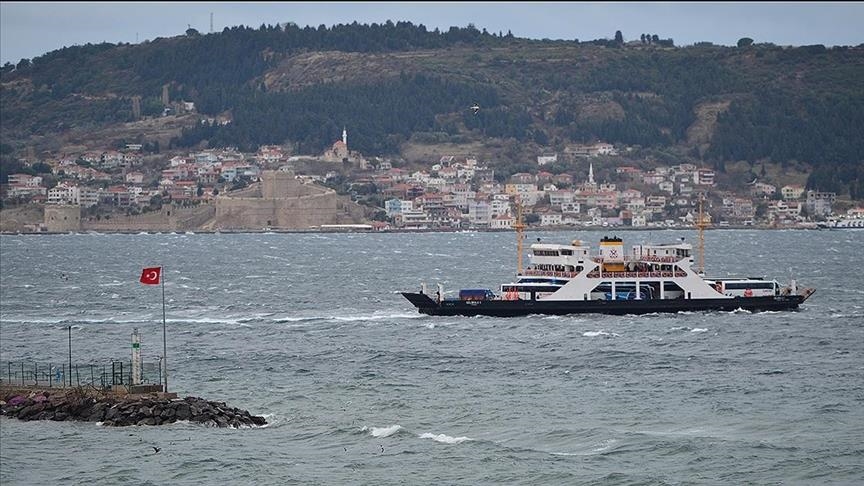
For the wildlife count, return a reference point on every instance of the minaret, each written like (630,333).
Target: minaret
(591,174)
(345,137)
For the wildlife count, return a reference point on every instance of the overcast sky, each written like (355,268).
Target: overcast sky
(29,29)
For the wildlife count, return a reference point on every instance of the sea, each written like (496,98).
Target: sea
(309,330)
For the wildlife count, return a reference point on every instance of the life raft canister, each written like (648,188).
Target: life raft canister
(748,293)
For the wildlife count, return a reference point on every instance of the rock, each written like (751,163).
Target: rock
(111,413)
(183,412)
(131,410)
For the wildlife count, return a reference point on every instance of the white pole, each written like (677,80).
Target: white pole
(164,334)
(136,357)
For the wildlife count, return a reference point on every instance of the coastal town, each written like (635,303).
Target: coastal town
(452,192)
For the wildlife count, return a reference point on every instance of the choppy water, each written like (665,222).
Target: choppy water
(359,388)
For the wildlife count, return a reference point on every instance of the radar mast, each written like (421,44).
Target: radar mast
(519,227)
(701,224)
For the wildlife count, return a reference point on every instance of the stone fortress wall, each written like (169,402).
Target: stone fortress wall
(62,219)
(284,203)
(279,201)
(169,218)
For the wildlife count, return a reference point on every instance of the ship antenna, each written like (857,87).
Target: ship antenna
(701,224)
(519,227)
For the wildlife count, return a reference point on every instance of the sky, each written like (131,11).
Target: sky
(30,29)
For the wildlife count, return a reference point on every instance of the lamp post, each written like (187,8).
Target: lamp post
(70,355)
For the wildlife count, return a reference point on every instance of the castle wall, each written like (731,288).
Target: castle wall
(277,185)
(169,218)
(285,213)
(62,219)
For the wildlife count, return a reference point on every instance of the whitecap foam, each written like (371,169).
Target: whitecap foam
(382,432)
(698,329)
(445,439)
(600,333)
(377,317)
(273,420)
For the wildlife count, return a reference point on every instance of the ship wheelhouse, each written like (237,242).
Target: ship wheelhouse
(571,272)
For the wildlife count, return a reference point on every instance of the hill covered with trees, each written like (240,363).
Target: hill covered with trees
(398,83)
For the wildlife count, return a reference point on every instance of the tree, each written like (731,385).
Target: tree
(745,42)
(619,37)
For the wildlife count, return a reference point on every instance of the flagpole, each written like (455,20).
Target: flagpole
(164,333)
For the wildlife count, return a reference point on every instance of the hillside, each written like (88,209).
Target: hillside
(400,88)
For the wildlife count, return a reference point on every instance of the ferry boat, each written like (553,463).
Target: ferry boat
(568,279)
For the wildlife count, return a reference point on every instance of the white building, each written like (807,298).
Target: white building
(550,219)
(64,194)
(479,213)
(547,159)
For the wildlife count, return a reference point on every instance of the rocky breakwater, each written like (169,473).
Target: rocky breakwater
(126,410)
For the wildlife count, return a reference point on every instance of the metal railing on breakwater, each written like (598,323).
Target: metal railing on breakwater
(101,376)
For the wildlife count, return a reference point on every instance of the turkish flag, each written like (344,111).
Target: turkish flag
(150,276)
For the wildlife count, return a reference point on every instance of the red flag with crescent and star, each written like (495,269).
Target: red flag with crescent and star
(150,276)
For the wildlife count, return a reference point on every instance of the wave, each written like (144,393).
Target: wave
(600,333)
(273,421)
(350,318)
(378,317)
(444,439)
(382,432)
(296,319)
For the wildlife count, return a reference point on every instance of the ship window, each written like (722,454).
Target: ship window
(748,285)
(567,252)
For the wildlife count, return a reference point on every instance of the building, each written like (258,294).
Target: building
(480,213)
(792,192)
(547,159)
(819,203)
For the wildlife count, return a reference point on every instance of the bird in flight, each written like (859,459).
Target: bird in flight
(475,108)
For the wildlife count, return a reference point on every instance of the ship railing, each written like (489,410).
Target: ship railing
(549,273)
(607,274)
(646,258)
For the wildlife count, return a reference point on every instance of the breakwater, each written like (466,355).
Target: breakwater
(78,404)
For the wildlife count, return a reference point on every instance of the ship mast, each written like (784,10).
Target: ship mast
(701,224)
(519,227)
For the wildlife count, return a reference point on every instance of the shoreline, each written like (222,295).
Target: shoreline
(372,231)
